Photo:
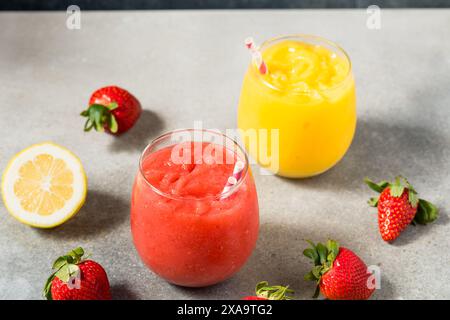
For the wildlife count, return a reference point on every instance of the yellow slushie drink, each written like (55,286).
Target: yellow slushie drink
(308,94)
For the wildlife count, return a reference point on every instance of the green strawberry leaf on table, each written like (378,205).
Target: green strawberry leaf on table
(426,212)
(263,290)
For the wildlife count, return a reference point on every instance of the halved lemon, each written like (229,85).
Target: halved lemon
(44,185)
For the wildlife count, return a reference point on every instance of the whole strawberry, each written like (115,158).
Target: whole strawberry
(112,109)
(265,292)
(399,206)
(339,273)
(77,279)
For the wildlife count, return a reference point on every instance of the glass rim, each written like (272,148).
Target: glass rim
(224,195)
(333,44)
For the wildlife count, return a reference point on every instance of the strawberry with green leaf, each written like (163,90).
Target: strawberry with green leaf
(265,292)
(339,273)
(112,109)
(76,278)
(399,206)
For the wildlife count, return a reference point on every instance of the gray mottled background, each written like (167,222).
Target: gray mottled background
(215,4)
(402,76)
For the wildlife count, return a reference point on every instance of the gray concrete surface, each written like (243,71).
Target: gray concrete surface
(188,66)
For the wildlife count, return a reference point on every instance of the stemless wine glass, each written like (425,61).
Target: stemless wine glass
(308,94)
(194,207)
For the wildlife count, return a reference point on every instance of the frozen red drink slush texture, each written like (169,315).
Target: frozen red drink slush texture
(183,229)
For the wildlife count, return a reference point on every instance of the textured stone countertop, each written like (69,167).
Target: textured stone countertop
(186,66)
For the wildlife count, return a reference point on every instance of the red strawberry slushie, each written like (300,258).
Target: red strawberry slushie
(184,228)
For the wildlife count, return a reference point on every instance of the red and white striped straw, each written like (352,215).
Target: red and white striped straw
(237,174)
(256,55)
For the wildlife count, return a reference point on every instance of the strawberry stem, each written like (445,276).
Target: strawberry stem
(65,267)
(263,290)
(323,257)
(100,116)
(396,189)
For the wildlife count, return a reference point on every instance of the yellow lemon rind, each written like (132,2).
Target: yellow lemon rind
(68,216)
